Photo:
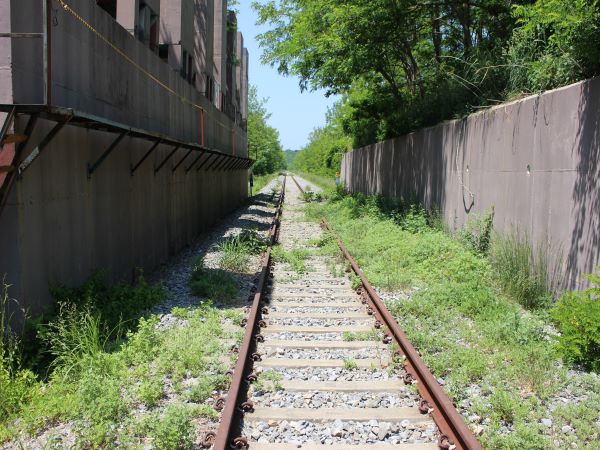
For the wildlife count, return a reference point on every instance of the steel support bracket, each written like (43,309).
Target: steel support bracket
(191,166)
(229,164)
(40,147)
(167,158)
(217,159)
(220,165)
(93,167)
(133,168)
(182,160)
(204,162)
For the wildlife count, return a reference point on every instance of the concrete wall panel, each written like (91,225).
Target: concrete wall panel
(536,161)
(60,226)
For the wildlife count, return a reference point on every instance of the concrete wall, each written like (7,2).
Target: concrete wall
(60,226)
(220,47)
(90,76)
(537,161)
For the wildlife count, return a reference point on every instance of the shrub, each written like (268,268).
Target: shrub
(477,233)
(577,316)
(174,430)
(524,272)
(117,305)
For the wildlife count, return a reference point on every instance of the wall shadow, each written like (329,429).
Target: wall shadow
(584,248)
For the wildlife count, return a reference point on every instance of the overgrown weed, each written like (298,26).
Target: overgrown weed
(214,284)
(526,272)
(235,251)
(467,330)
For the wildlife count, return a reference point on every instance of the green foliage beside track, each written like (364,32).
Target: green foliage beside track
(493,355)
(263,139)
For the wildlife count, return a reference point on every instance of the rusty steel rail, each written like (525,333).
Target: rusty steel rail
(454,432)
(229,432)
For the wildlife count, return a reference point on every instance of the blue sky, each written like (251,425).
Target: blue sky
(293,113)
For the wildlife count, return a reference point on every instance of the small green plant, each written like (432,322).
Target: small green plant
(150,392)
(295,258)
(213,284)
(205,387)
(526,273)
(349,336)
(349,364)
(174,430)
(269,381)
(477,232)
(577,316)
(236,250)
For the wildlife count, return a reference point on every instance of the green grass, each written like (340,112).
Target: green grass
(372,335)
(325,183)
(525,272)
(261,181)
(212,284)
(296,258)
(349,364)
(99,378)
(235,251)
(466,327)
(268,381)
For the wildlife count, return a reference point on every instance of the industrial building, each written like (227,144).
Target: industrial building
(123,135)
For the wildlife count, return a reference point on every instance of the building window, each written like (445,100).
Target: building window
(163,52)
(110,6)
(147,26)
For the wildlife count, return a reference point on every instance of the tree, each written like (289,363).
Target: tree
(405,64)
(323,153)
(263,139)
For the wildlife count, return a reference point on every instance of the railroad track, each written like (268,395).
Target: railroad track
(326,366)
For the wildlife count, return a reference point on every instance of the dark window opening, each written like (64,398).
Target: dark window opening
(110,6)
(184,59)
(147,26)
(189,67)
(163,52)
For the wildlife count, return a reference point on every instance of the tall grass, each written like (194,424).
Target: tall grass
(77,336)
(16,384)
(526,272)
(235,251)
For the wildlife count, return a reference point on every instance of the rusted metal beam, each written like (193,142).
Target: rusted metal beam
(167,158)
(13,175)
(93,167)
(148,153)
(8,120)
(454,431)
(229,432)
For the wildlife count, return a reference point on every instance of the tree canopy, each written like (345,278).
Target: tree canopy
(263,139)
(405,64)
